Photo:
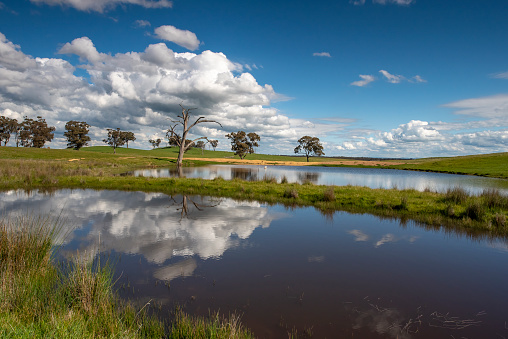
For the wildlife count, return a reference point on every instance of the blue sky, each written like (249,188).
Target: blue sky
(378,78)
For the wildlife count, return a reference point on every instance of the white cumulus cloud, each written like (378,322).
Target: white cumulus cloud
(139,90)
(180,37)
(82,47)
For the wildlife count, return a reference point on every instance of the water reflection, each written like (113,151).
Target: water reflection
(244,174)
(308,177)
(153,225)
(353,276)
(340,176)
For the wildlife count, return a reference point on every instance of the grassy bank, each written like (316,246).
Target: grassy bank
(487,165)
(40,298)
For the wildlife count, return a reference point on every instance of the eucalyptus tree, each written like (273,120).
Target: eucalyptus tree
(155,142)
(35,133)
(243,143)
(309,146)
(213,143)
(8,126)
(76,134)
(127,136)
(114,138)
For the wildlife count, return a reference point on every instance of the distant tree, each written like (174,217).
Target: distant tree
(155,143)
(213,143)
(189,144)
(127,136)
(76,134)
(114,138)
(8,126)
(242,143)
(183,121)
(35,133)
(309,146)
(201,144)
(173,138)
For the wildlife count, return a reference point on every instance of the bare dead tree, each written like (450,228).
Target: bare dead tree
(185,205)
(183,120)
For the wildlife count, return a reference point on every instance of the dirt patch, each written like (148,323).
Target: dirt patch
(299,163)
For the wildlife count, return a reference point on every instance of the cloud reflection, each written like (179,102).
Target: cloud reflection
(385,239)
(148,224)
(359,235)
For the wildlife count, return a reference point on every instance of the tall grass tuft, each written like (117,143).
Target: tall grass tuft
(269,179)
(39,300)
(456,195)
(499,220)
(186,326)
(284,179)
(475,211)
(290,193)
(329,194)
(493,198)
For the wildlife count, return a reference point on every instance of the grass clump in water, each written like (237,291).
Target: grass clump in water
(186,326)
(456,195)
(493,198)
(329,194)
(290,193)
(37,299)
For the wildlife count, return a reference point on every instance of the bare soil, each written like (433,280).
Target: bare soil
(300,163)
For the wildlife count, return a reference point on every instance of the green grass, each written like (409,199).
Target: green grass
(40,298)
(488,165)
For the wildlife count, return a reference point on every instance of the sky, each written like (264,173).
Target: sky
(369,78)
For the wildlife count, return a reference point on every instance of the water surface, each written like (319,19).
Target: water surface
(340,176)
(350,276)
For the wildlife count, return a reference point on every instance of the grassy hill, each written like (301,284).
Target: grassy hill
(488,165)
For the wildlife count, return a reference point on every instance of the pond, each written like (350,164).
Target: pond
(284,269)
(339,176)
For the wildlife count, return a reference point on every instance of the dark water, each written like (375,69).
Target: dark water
(350,276)
(340,176)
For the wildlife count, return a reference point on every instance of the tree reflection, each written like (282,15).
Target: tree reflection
(306,177)
(243,173)
(184,209)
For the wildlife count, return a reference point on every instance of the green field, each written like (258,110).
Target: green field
(488,165)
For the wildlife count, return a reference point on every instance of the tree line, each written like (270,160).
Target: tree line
(35,133)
